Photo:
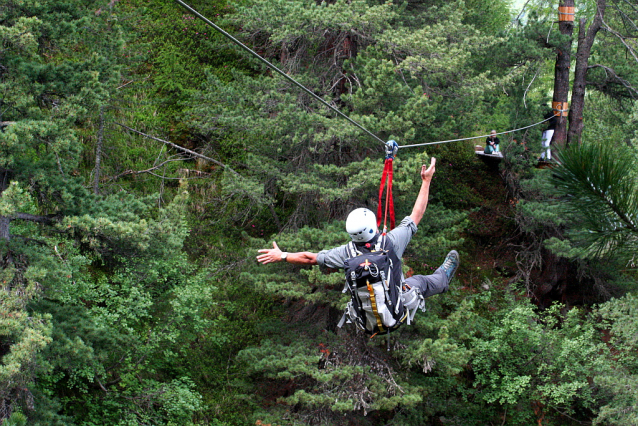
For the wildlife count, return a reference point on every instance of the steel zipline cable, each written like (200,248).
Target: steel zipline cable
(475,137)
(308,91)
(274,68)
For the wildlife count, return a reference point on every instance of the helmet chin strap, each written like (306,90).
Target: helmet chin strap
(372,240)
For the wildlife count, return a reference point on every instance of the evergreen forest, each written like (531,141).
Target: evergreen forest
(145,158)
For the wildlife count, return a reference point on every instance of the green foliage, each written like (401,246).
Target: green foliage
(97,291)
(608,120)
(136,299)
(619,384)
(598,183)
(346,380)
(16,419)
(619,87)
(443,343)
(21,36)
(23,337)
(530,358)
(288,22)
(488,16)
(132,319)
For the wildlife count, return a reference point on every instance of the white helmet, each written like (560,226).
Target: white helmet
(361,225)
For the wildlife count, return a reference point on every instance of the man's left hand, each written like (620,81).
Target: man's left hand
(426,174)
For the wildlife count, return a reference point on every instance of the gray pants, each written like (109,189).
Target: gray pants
(429,285)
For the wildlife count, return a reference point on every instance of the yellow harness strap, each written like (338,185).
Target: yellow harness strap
(373,301)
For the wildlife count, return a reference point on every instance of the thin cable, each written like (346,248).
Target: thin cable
(274,68)
(474,137)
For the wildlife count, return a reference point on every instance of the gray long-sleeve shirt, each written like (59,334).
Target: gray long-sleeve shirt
(400,237)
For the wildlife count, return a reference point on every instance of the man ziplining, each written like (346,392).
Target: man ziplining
(368,300)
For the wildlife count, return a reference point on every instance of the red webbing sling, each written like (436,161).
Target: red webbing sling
(391,150)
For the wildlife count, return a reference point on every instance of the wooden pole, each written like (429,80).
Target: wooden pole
(561,70)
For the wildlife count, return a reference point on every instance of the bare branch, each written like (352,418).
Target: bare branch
(610,72)
(134,172)
(530,85)
(571,418)
(401,72)
(622,40)
(101,385)
(124,85)
(46,219)
(521,12)
(633,6)
(180,148)
(174,178)
(626,19)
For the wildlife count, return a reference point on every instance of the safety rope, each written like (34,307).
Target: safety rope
(474,137)
(280,72)
(391,148)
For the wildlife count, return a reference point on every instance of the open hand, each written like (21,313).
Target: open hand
(269,255)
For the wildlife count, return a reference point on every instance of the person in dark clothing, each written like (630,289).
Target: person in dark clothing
(362,227)
(548,134)
(492,143)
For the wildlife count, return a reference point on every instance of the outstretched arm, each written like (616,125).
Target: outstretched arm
(422,199)
(274,255)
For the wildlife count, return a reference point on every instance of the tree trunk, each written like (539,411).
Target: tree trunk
(561,74)
(275,217)
(4,228)
(5,222)
(98,153)
(5,176)
(585,42)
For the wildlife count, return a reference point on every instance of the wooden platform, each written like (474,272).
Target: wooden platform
(491,160)
(498,156)
(545,164)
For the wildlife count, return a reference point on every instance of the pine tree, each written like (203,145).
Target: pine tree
(96,288)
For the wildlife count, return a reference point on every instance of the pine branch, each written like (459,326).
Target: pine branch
(603,190)
(27,239)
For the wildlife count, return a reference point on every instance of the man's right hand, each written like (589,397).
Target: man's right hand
(274,255)
(270,255)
